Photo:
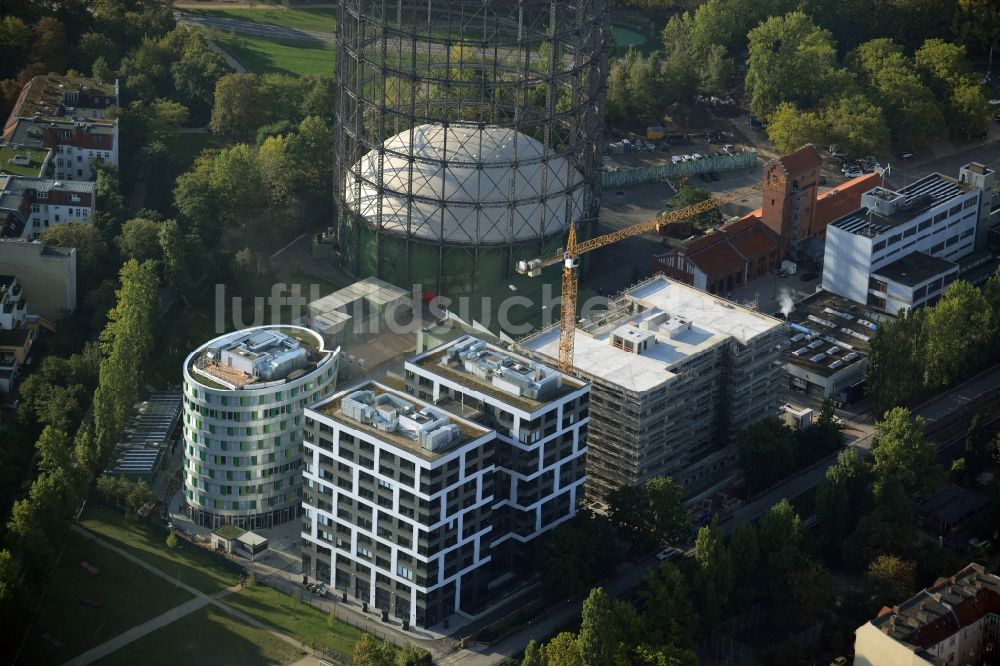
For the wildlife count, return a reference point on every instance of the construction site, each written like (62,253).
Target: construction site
(676,374)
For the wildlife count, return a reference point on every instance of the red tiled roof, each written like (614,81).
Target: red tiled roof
(718,257)
(800,160)
(843,199)
(755,241)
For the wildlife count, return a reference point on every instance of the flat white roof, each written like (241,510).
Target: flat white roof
(378,292)
(713,320)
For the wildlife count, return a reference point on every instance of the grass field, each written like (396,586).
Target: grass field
(127,594)
(264,56)
(305,623)
(187,563)
(316,20)
(208,636)
(626,37)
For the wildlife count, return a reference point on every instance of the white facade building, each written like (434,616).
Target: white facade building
(29,206)
(398,503)
(244,395)
(955,622)
(937,215)
(420,502)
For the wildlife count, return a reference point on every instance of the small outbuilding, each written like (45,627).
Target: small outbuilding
(237,541)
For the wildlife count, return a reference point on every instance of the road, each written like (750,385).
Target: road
(931,410)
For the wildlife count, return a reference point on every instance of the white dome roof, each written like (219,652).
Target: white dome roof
(470,200)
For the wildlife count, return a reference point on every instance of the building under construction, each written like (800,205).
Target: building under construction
(467,135)
(676,374)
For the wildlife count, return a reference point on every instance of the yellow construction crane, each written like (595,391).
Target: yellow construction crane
(570,259)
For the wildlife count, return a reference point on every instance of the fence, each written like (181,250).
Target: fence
(331,607)
(661,172)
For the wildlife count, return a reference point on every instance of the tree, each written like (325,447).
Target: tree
(841,496)
(780,539)
(55,451)
(140,240)
(237,111)
(782,48)
(913,114)
(92,251)
(888,529)
(126,342)
(370,651)
(236,181)
(277,170)
(977,24)
(856,125)
(178,252)
(892,376)
(767,453)
(650,513)
(48,44)
(789,128)
(949,74)
(195,201)
(665,602)
(811,591)
(599,639)
(745,552)
(901,456)
(564,650)
(410,655)
(196,73)
(533,654)
(689,195)
(670,520)
(15,36)
(890,579)
(715,576)
(576,554)
(172,540)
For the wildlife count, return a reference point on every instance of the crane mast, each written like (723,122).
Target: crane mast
(570,259)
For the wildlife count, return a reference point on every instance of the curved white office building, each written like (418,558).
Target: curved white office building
(244,395)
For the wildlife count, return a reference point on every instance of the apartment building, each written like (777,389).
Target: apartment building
(955,622)
(244,396)
(541,417)
(420,502)
(17,333)
(47,273)
(29,206)
(676,375)
(867,255)
(69,116)
(398,503)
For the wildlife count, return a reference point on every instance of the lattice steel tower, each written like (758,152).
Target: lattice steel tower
(467,135)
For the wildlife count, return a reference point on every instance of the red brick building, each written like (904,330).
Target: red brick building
(791,215)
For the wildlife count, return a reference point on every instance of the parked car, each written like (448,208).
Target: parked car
(676,159)
(669,553)
(698,156)
(688,158)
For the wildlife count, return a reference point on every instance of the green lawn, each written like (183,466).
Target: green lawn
(316,20)
(264,56)
(128,595)
(625,37)
(187,563)
(305,623)
(208,636)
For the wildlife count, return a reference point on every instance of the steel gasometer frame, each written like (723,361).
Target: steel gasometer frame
(459,68)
